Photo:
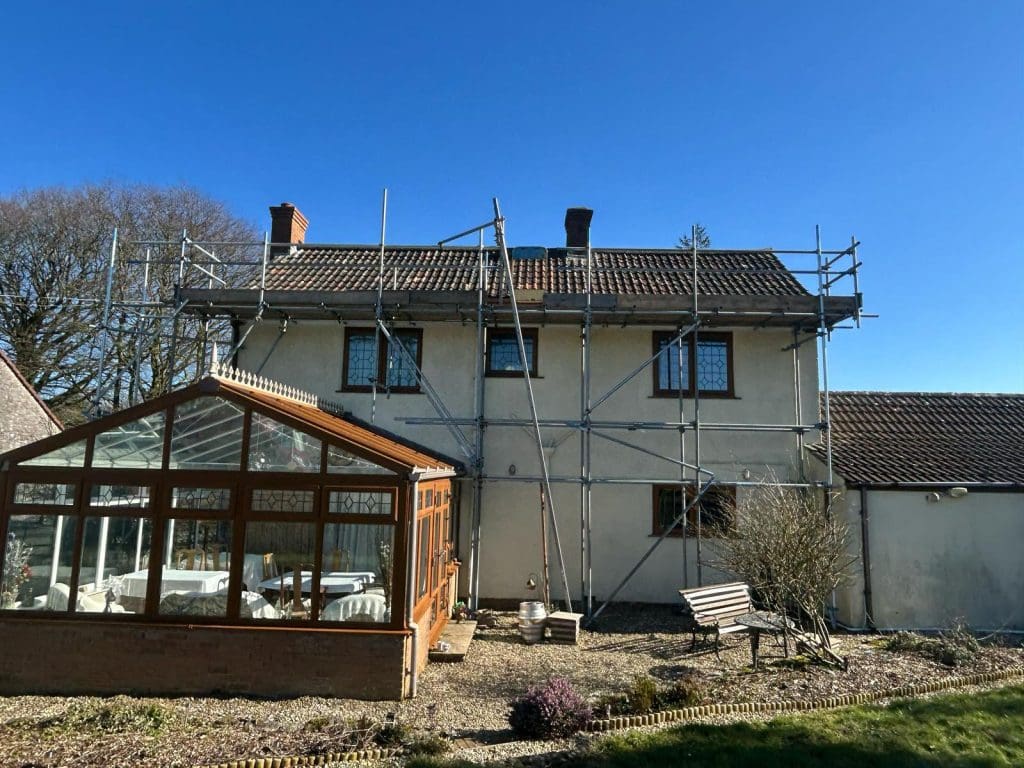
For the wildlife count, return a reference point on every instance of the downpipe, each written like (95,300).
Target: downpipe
(410,588)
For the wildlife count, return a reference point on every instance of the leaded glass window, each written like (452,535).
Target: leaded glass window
(367,361)
(677,369)
(360,360)
(202,499)
(138,444)
(671,368)
(401,368)
(355,502)
(207,434)
(503,352)
(716,509)
(276,447)
(119,496)
(289,500)
(55,494)
(712,366)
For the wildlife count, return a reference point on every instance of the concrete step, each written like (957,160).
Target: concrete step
(458,636)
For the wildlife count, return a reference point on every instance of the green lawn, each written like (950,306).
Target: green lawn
(960,731)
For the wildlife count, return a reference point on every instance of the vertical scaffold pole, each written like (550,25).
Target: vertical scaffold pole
(826,426)
(100,385)
(478,409)
(499,230)
(695,373)
(378,307)
(176,320)
(586,576)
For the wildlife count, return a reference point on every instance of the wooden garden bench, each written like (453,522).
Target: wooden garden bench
(714,609)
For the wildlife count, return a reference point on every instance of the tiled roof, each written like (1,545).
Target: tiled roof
(882,438)
(615,271)
(28,388)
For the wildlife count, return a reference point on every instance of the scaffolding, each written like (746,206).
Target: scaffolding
(226,297)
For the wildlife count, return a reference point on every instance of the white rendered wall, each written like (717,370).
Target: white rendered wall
(936,562)
(310,357)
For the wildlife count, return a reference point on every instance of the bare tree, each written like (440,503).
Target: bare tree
(791,551)
(54,250)
(703,238)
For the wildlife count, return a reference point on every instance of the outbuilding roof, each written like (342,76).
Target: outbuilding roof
(890,438)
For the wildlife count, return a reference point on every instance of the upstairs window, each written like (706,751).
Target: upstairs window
(389,367)
(716,510)
(711,371)
(503,352)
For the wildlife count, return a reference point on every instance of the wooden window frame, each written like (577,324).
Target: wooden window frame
(382,361)
(507,333)
(669,336)
(689,529)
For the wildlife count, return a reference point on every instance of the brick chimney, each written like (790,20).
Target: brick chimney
(287,225)
(577,227)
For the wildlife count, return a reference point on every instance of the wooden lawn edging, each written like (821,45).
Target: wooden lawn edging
(297,761)
(833,702)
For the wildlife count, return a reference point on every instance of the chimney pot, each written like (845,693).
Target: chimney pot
(577,227)
(287,225)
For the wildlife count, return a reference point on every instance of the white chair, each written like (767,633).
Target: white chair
(362,607)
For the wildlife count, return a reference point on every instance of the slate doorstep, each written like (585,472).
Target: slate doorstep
(458,637)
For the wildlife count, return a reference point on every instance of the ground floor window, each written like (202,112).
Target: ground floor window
(716,510)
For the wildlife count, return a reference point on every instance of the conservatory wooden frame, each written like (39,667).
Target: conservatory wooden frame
(191,478)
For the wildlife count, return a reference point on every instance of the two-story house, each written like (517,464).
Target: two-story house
(402,426)
(624,363)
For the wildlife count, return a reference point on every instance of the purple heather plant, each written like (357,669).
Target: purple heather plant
(549,711)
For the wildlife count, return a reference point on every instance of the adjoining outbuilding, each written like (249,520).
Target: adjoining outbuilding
(24,416)
(932,488)
(235,536)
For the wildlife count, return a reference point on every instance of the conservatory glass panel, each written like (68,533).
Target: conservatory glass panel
(119,496)
(341,462)
(37,562)
(196,568)
(115,565)
(276,447)
(358,557)
(201,499)
(288,500)
(136,445)
(207,434)
(288,552)
(69,456)
(352,501)
(51,494)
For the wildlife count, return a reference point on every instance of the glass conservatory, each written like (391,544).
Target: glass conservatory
(221,511)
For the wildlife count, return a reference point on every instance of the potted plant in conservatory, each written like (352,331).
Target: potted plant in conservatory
(16,571)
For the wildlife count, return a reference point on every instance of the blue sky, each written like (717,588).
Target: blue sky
(901,124)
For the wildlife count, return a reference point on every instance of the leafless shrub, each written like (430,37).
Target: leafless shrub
(792,553)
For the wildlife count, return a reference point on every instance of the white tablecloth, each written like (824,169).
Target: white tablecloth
(172,580)
(333,582)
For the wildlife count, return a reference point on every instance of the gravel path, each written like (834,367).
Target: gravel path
(466,700)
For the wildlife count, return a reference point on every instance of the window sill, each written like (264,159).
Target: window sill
(509,375)
(703,396)
(368,390)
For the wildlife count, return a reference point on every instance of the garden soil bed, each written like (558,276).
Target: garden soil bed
(467,701)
